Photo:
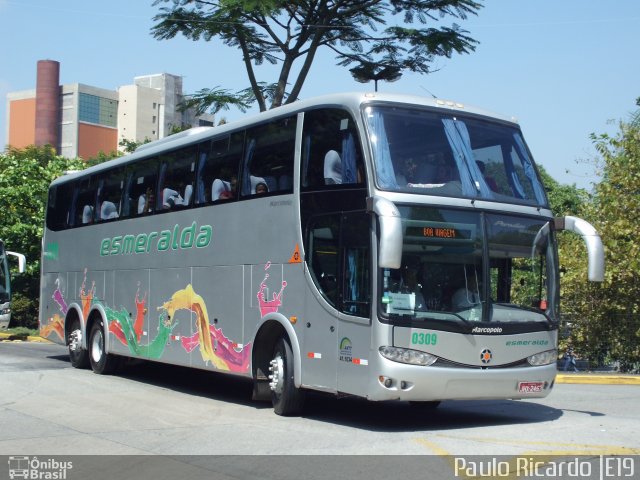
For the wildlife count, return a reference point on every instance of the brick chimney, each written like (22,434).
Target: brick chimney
(48,104)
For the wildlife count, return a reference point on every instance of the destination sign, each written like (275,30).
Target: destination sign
(440,232)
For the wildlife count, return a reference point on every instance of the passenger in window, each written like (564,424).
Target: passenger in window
(108,210)
(171,198)
(332,168)
(487,178)
(146,201)
(468,295)
(408,173)
(186,199)
(224,190)
(443,174)
(254,182)
(261,188)
(409,284)
(87,214)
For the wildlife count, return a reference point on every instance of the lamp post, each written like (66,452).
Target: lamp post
(366,72)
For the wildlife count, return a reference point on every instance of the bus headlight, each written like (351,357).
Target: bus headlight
(5,311)
(544,358)
(406,355)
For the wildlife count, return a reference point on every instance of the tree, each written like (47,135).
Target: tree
(608,315)
(25,175)
(563,199)
(369,35)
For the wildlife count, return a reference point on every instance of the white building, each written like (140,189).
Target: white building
(148,109)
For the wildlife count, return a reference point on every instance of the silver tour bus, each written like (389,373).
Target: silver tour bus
(384,246)
(5,283)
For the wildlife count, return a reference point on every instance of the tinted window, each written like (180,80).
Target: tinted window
(331,153)
(110,187)
(218,177)
(140,195)
(268,158)
(177,178)
(338,259)
(59,206)
(85,202)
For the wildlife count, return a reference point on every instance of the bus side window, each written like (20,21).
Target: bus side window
(219,175)
(268,158)
(59,211)
(339,262)
(323,238)
(357,275)
(141,188)
(177,178)
(85,203)
(110,186)
(331,153)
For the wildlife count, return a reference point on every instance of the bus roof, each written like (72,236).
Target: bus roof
(352,101)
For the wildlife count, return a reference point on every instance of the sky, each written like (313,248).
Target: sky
(563,68)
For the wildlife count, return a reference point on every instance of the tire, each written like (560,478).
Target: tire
(287,400)
(432,405)
(102,363)
(78,356)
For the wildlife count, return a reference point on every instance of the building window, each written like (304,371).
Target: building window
(94,109)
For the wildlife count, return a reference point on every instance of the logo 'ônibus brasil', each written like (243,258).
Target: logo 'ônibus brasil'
(176,239)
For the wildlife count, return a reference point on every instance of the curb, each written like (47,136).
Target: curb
(586,379)
(10,337)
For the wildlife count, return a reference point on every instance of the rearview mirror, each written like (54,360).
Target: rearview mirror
(390,241)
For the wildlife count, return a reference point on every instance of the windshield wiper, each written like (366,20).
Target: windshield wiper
(526,309)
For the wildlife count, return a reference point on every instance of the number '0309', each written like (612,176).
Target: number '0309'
(424,338)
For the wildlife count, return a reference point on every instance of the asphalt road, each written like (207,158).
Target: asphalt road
(49,408)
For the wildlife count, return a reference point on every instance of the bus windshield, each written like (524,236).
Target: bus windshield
(461,267)
(436,153)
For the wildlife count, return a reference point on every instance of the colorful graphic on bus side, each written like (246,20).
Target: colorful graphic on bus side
(224,353)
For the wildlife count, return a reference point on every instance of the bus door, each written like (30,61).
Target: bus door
(320,344)
(336,343)
(354,324)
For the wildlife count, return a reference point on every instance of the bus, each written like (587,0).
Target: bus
(5,283)
(383,246)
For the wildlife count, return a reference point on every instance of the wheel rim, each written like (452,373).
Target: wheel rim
(75,341)
(276,367)
(97,346)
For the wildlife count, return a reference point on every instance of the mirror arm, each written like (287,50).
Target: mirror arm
(591,238)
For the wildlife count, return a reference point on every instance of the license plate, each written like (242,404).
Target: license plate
(530,387)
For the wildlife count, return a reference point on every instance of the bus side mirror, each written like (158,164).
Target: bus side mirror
(22,261)
(390,241)
(591,238)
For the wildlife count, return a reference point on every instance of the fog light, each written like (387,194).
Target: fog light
(386,381)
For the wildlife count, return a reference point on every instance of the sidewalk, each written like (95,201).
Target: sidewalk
(12,337)
(598,378)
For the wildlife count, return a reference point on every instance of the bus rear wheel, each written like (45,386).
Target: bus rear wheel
(101,362)
(78,356)
(285,397)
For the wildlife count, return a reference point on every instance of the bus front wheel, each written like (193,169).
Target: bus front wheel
(101,362)
(78,356)
(285,397)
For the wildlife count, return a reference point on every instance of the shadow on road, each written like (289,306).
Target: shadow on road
(352,412)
